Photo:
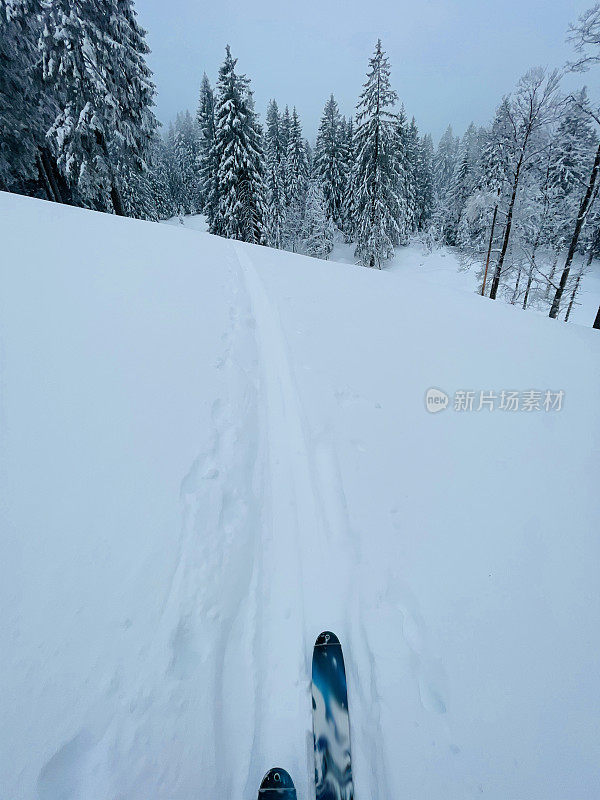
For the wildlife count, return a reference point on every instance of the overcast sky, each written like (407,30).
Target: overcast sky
(451,61)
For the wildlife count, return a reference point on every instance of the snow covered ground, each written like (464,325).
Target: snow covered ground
(442,268)
(211,451)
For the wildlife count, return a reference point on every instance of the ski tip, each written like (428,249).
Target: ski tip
(327,637)
(279,780)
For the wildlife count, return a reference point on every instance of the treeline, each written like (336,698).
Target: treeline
(371,178)
(514,197)
(76,98)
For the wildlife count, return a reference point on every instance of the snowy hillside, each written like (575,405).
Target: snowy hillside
(212,451)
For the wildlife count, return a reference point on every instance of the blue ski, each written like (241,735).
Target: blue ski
(331,724)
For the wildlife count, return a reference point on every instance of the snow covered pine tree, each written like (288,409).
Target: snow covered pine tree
(330,162)
(241,209)
(94,51)
(374,179)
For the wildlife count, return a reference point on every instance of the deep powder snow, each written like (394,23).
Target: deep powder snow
(210,452)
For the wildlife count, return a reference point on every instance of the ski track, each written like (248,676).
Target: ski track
(309,516)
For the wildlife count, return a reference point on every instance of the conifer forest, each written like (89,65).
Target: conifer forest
(516,198)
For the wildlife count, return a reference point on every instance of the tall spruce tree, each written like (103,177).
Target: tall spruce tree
(284,132)
(297,170)
(207,163)
(375,173)
(462,184)
(349,204)
(160,185)
(185,159)
(176,189)
(403,176)
(240,171)
(576,142)
(411,176)
(444,163)
(498,149)
(297,165)
(425,182)
(330,162)
(275,167)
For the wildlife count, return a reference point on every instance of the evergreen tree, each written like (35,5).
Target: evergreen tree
(444,164)
(576,143)
(185,159)
(411,155)
(403,177)
(207,161)
(94,52)
(498,148)
(240,171)
(19,89)
(284,132)
(160,185)
(297,165)
(176,189)
(318,231)
(309,157)
(375,173)
(275,166)
(349,205)
(27,106)
(462,185)
(297,173)
(138,193)
(424,182)
(331,161)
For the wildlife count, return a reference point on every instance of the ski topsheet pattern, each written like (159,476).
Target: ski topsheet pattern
(277,785)
(331,724)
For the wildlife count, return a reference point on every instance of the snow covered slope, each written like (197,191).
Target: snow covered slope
(210,452)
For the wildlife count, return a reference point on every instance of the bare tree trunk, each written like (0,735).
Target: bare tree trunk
(515,294)
(581,217)
(487,260)
(509,216)
(574,293)
(594,242)
(528,288)
(531,271)
(49,165)
(115,197)
(551,276)
(45,179)
(585,266)
(115,194)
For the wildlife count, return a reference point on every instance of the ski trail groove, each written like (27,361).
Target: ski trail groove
(303,591)
(292,517)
